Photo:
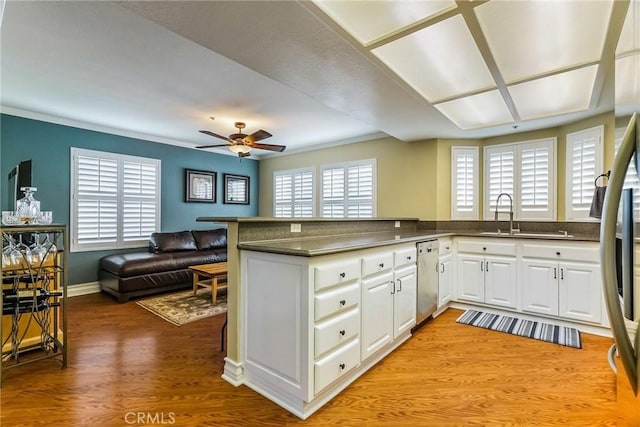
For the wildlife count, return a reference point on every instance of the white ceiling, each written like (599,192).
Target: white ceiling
(157,70)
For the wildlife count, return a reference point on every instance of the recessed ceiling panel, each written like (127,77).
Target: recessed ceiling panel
(630,36)
(439,61)
(370,20)
(477,111)
(529,38)
(558,94)
(628,81)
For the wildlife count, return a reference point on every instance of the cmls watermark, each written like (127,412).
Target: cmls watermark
(150,418)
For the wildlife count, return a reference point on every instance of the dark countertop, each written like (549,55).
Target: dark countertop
(315,246)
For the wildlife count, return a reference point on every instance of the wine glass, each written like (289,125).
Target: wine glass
(51,248)
(25,253)
(38,250)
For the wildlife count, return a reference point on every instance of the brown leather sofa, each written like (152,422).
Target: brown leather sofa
(164,267)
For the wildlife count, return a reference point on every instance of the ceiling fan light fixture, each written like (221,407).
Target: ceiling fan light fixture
(240,148)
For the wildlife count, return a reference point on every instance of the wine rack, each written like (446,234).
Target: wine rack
(33,294)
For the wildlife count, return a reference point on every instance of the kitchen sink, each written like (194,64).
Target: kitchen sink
(524,234)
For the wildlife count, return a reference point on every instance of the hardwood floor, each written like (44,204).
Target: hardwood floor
(124,362)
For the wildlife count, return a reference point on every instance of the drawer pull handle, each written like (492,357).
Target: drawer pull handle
(481,265)
(393,287)
(381,265)
(562,274)
(555,272)
(343,274)
(399,285)
(342,332)
(342,366)
(343,302)
(442,265)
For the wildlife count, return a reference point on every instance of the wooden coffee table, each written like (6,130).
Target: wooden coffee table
(207,275)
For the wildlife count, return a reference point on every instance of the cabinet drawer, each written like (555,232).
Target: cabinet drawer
(563,253)
(487,247)
(336,364)
(445,246)
(335,300)
(336,331)
(339,272)
(404,256)
(372,264)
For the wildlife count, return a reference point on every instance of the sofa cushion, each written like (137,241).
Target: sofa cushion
(140,263)
(211,239)
(172,242)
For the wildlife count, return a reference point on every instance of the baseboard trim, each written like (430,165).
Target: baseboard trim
(233,372)
(83,289)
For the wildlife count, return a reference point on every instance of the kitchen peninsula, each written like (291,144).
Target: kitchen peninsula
(310,314)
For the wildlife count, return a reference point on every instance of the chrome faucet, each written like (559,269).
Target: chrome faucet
(511,229)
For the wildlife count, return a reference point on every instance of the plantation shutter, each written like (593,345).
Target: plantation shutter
(97,203)
(139,200)
(584,163)
(293,193)
(348,190)
(360,191)
(500,175)
(464,182)
(115,200)
(333,195)
(534,179)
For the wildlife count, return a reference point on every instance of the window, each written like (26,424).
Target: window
(293,193)
(525,171)
(348,190)
(464,183)
(584,164)
(115,200)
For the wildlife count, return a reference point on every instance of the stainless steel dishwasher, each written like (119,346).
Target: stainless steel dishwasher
(427,280)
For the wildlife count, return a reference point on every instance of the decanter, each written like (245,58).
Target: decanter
(28,208)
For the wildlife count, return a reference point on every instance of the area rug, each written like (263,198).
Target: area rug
(183,307)
(562,335)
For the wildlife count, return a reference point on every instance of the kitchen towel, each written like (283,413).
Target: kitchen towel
(597,202)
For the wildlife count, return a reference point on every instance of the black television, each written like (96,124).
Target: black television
(20,176)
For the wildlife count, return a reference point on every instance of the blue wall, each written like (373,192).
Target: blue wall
(48,146)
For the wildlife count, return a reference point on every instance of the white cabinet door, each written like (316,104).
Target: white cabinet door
(445,280)
(580,294)
(539,284)
(404,305)
(377,313)
(471,277)
(501,286)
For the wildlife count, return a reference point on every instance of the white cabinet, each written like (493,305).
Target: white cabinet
(539,285)
(389,301)
(312,325)
(377,313)
(567,283)
(445,280)
(404,299)
(489,279)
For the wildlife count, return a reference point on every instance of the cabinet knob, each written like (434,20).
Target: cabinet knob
(381,265)
(484,248)
(343,302)
(343,274)
(342,366)
(342,332)
(409,258)
(558,253)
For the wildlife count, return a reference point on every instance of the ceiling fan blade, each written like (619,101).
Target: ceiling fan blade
(258,136)
(212,146)
(271,147)
(208,132)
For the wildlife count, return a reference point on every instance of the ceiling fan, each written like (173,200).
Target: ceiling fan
(241,144)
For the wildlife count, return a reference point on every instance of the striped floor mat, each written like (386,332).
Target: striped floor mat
(562,335)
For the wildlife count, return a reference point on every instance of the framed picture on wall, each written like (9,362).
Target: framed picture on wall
(236,189)
(200,186)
